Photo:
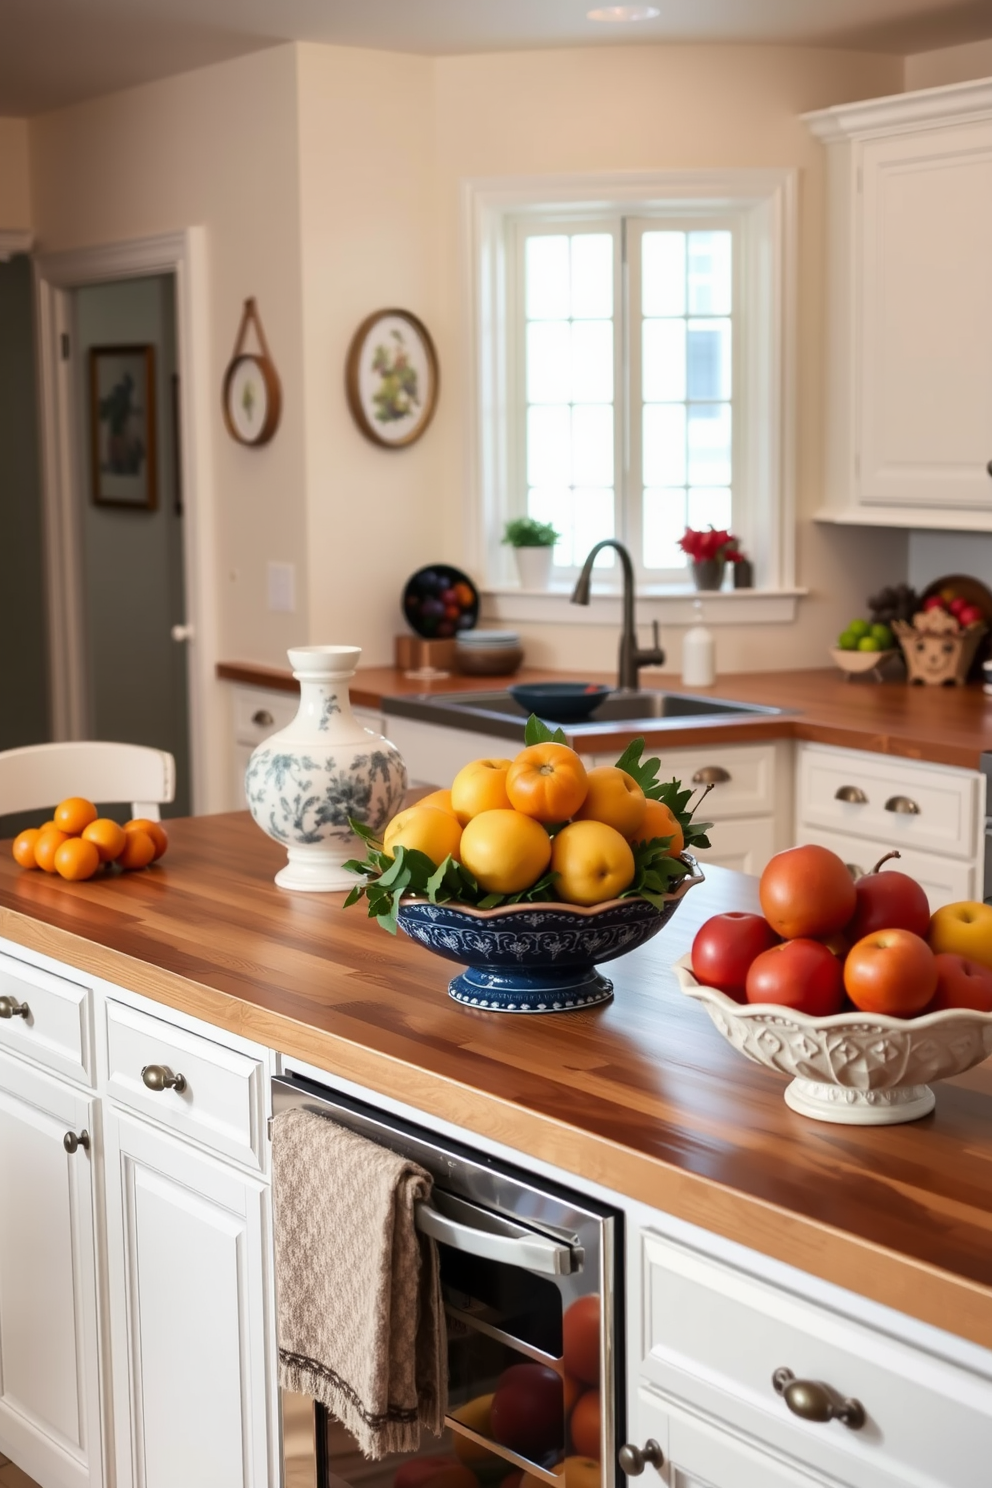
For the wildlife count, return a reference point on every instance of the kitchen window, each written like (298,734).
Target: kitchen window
(632,368)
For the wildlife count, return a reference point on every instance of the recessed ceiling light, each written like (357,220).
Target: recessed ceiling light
(623,13)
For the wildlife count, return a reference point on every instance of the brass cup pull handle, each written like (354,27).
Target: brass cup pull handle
(711,775)
(263,718)
(160,1077)
(902,806)
(633,1460)
(852,794)
(814,1401)
(72,1143)
(11,1008)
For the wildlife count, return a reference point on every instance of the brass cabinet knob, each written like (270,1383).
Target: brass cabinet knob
(852,794)
(814,1401)
(160,1077)
(711,775)
(11,1008)
(633,1460)
(902,806)
(263,718)
(72,1143)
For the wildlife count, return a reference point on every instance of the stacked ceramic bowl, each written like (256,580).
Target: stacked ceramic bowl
(488,653)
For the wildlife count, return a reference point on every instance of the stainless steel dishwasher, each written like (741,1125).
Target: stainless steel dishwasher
(516,1254)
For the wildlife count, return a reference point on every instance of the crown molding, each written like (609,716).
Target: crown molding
(15,240)
(953,104)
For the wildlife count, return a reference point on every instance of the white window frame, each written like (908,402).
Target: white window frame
(764,203)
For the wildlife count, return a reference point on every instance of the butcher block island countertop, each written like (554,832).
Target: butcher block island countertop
(642,1095)
(945,725)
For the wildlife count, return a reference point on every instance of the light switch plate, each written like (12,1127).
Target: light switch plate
(282,587)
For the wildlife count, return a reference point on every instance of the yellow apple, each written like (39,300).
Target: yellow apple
(475,1414)
(965,929)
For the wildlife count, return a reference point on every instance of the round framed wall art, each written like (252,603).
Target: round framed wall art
(391,378)
(252,394)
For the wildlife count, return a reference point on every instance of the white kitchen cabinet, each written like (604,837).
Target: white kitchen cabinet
(433,755)
(50,1373)
(909,321)
(189,1339)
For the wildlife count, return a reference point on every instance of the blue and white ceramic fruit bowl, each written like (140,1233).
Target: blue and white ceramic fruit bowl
(537,958)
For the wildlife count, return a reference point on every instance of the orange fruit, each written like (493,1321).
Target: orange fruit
(76,858)
(580,1340)
(577,1472)
(659,821)
(505,851)
(548,782)
(613,797)
(138,850)
(73,814)
(440,800)
(573,1388)
(155,830)
(480,786)
(107,837)
(592,861)
(23,848)
(49,840)
(49,823)
(585,1425)
(434,833)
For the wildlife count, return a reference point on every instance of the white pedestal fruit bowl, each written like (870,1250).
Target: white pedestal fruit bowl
(304,782)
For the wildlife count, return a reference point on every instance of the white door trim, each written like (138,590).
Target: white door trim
(183,254)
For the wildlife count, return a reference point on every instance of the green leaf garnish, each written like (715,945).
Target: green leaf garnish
(537,732)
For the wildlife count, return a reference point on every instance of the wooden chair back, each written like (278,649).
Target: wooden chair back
(39,776)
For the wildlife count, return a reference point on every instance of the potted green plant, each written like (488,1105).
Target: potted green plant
(532,543)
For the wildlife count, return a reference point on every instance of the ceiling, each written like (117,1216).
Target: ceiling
(55,52)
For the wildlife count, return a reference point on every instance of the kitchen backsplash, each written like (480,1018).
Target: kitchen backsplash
(934,553)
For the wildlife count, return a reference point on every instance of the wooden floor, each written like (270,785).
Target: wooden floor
(12,1477)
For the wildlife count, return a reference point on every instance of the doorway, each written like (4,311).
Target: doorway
(131,519)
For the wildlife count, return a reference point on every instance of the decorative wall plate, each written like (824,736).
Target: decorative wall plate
(391,378)
(252,391)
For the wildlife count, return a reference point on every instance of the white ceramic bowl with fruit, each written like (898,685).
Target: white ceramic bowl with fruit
(855,991)
(864,647)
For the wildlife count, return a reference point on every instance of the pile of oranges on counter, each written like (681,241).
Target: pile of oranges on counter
(77,841)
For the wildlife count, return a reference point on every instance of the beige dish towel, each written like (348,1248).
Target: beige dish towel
(361,1322)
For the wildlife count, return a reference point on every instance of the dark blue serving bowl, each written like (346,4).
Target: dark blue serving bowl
(537,958)
(560,702)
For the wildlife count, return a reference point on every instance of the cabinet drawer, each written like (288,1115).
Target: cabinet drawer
(943,880)
(713,1337)
(744,845)
(222,1104)
(747,790)
(947,801)
(259,713)
(56,1030)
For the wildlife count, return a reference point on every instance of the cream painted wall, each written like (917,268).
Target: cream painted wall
(368,242)
(957,64)
(15,189)
(652,107)
(218,148)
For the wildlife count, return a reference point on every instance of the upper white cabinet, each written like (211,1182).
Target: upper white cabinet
(909,309)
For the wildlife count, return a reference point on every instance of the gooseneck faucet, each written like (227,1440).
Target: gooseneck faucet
(632,658)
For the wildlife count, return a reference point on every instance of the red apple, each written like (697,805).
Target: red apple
(528,1410)
(935,602)
(801,974)
(888,901)
(807,892)
(957,604)
(725,947)
(961,984)
(434,1472)
(892,971)
(970,615)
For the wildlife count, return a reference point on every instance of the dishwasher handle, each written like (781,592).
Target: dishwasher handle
(531,1252)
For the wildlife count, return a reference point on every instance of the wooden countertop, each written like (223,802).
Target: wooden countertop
(642,1096)
(945,725)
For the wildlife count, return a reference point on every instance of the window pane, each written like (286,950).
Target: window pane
(663,273)
(663,372)
(549,355)
(708,359)
(709,444)
(549,446)
(546,272)
(592,444)
(555,506)
(710,507)
(592,521)
(664,444)
(709,273)
(592,361)
(592,276)
(664,521)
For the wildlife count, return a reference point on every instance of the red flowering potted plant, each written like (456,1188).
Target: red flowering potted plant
(709,552)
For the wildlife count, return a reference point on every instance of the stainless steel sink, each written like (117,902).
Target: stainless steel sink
(497,713)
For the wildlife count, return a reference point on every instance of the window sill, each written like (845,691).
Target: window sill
(675,605)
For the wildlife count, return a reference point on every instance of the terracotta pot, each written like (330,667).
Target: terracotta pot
(707,573)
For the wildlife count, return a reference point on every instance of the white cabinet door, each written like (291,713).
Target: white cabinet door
(50,1412)
(193,1393)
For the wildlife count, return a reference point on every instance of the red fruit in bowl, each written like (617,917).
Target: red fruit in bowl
(807,892)
(935,602)
(888,901)
(892,972)
(725,947)
(528,1410)
(957,604)
(801,974)
(961,984)
(970,615)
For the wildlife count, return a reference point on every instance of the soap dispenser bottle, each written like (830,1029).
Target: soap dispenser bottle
(698,652)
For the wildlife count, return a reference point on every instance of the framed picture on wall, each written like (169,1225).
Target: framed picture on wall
(391,378)
(122,426)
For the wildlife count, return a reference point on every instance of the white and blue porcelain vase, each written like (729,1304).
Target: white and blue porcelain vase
(304,782)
